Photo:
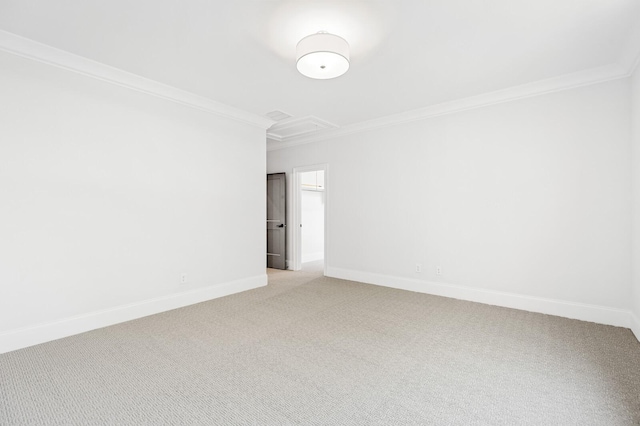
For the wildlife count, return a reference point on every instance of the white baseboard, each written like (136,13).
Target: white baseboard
(635,325)
(310,257)
(40,333)
(580,311)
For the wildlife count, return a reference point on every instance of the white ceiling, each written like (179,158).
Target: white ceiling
(404,54)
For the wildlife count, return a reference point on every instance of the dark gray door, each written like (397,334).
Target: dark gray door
(276,221)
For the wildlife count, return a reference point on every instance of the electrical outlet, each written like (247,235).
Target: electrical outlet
(438,270)
(418,268)
(183,278)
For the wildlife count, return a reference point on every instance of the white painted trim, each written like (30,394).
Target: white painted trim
(295,262)
(635,65)
(580,311)
(296,216)
(551,85)
(630,56)
(635,325)
(273,133)
(28,336)
(17,45)
(26,48)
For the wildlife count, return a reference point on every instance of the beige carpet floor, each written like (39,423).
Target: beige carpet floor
(312,350)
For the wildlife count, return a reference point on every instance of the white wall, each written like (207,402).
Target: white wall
(108,195)
(635,158)
(528,197)
(312,209)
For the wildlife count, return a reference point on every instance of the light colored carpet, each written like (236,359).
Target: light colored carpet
(312,350)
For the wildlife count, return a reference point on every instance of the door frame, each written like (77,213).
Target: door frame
(296,206)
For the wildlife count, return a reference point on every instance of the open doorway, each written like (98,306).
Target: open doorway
(309,230)
(312,198)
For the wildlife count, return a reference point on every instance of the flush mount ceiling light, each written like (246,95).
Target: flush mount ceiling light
(322,56)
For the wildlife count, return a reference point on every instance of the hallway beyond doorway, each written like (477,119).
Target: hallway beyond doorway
(314,266)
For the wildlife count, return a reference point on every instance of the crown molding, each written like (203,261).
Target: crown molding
(634,65)
(630,56)
(275,133)
(30,49)
(555,84)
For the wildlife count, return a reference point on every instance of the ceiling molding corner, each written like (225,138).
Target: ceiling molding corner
(632,62)
(541,87)
(630,57)
(30,49)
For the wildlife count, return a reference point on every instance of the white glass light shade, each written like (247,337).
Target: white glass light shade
(322,56)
